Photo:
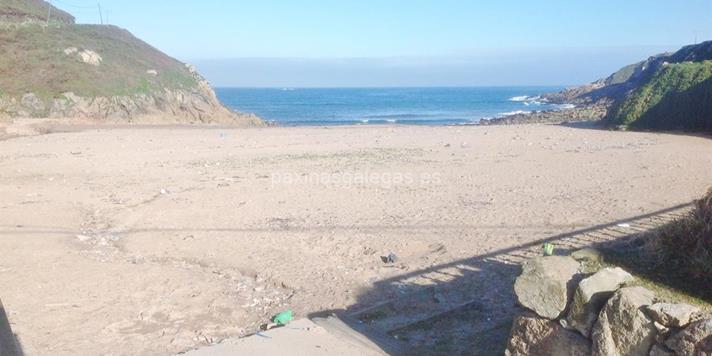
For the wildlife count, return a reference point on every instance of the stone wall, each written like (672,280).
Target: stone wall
(572,310)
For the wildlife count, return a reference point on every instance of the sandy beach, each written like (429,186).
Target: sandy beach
(129,241)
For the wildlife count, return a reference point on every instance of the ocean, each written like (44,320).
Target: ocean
(357,106)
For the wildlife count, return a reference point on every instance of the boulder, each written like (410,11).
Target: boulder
(695,339)
(676,315)
(546,284)
(533,335)
(90,57)
(591,295)
(622,327)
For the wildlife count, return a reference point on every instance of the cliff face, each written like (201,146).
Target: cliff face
(58,69)
(666,92)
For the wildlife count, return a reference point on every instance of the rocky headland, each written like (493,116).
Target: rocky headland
(54,68)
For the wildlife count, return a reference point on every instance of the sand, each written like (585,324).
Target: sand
(131,241)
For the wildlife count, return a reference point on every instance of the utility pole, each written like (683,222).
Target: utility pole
(49,10)
(101,18)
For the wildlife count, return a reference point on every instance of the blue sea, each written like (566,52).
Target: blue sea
(358,106)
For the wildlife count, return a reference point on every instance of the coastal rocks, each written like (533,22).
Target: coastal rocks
(674,315)
(587,112)
(32,102)
(546,284)
(197,105)
(532,335)
(622,327)
(696,339)
(591,295)
(605,316)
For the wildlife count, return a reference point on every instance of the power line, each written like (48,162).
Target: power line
(49,10)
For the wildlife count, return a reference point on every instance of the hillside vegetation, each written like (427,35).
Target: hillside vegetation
(678,96)
(672,92)
(37,63)
(59,69)
(669,91)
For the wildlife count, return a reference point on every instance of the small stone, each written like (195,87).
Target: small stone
(591,295)
(391,258)
(695,339)
(546,284)
(84,238)
(676,315)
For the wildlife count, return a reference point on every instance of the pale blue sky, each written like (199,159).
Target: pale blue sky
(406,42)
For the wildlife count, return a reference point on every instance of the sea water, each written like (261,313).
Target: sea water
(358,106)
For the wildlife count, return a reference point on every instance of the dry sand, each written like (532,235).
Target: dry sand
(158,240)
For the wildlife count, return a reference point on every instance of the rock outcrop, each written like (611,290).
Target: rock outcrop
(623,329)
(57,69)
(605,317)
(584,112)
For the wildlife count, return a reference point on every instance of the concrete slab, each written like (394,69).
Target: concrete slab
(300,337)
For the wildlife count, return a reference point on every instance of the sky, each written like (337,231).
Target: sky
(313,43)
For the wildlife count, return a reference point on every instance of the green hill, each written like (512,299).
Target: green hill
(62,69)
(674,94)
(678,96)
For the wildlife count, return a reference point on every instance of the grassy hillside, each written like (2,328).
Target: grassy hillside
(671,92)
(34,58)
(31,10)
(678,96)
(35,61)
(111,75)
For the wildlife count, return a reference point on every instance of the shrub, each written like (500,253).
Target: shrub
(686,245)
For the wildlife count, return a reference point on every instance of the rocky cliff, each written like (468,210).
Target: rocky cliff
(58,69)
(667,91)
